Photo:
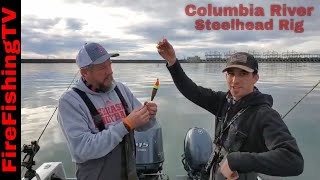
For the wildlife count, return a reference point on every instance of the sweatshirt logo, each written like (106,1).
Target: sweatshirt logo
(108,102)
(112,113)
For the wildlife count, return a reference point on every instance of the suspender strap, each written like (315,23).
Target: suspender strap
(123,102)
(94,113)
(128,140)
(129,144)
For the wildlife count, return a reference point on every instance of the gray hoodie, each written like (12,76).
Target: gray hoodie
(85,142)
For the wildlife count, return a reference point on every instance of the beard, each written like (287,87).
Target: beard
(101,86)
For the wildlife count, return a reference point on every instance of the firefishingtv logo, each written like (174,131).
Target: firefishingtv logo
(276,10)
(8,92)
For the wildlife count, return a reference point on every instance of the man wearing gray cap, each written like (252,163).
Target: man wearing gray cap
(98,117)
(250,136)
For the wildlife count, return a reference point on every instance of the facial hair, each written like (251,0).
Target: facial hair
(102,87)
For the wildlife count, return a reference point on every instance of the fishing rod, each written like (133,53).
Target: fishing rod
(32,149)
(301,99)
(57,107)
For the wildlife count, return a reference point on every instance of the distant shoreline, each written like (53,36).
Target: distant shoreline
(270,60)
(73,61)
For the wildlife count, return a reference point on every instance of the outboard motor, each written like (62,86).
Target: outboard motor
(149,152)
(198,147)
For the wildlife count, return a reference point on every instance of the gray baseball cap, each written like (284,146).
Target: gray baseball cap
(93,53)
(243,61)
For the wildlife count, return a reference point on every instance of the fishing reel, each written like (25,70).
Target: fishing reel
(28,162)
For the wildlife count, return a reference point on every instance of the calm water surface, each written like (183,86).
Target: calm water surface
(43,84)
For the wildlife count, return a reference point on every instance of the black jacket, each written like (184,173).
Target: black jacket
(258,140)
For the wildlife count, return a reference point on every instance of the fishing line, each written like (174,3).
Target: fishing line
(301,100)
(50,119)
(56,108)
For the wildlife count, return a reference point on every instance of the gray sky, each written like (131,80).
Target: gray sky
(58,28)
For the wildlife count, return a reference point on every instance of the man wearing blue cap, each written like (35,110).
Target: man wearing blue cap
(98,117)
(250,136)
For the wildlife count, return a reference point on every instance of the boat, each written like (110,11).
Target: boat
(149,157)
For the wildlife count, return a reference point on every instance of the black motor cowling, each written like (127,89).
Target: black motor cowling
(198,147)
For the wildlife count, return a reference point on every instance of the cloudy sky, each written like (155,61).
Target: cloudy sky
(58,28)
